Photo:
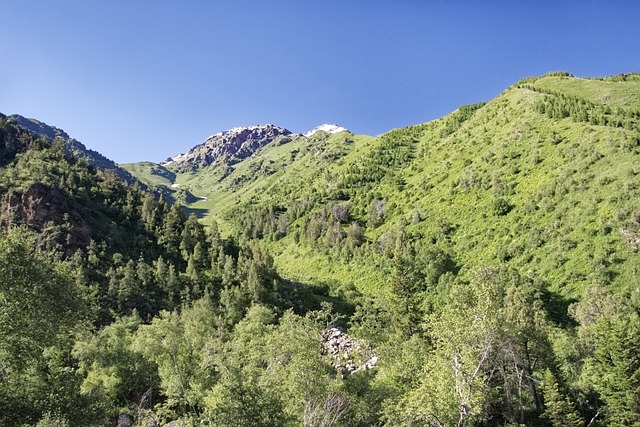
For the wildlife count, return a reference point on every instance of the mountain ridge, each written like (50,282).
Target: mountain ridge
(238,143)
(72,146)
(494,158)
(488,260)
(230,146)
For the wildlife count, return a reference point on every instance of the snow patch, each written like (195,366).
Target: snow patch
(239,129)
(326,128)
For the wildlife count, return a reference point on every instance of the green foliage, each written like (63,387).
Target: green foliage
(614,367)
(42,307)
(114,375)
(489,340)
(558,408)
(49,420)
(487,260)
(40,299)
(176,343)
(501,207)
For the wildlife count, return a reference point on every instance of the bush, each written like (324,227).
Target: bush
(501,207)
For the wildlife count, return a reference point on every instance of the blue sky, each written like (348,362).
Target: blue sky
(143,80)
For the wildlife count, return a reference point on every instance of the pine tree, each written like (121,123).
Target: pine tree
(558,408)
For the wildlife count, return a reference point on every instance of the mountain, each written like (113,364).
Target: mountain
(479,269)
(220,155)
(236,144)
(229,146)
(72,146)
(548,165)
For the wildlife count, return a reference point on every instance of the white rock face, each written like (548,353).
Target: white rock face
(348,354)
(326,128)
(240,129)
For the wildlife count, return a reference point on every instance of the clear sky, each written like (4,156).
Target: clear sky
(146,79)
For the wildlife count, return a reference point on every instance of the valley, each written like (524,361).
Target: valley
(480,269)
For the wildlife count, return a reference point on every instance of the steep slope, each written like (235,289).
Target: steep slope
(541,178)
(62,197)
(228,146)
(241,162)
(72,146)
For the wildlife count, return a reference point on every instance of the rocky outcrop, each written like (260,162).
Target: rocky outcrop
(51,212)
(229,146)
(349,355)
(124,420)
(633,238)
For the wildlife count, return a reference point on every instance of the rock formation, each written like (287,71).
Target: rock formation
(348,354)
(229,146)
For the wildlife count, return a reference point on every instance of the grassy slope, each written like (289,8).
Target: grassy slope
(562,195)
(570,187)
(269,171)
(150,173)
(569,199)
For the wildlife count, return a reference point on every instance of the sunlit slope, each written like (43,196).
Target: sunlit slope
(272,172)
(150,173)
(551,194)
(542,178)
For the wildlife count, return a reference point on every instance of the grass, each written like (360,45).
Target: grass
(150,173)
(569,187)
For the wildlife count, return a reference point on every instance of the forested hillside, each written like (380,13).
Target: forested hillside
(546,168)
(477,270)
(84,256)
(71,146)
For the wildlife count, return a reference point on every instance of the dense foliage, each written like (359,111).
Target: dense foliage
(486,261)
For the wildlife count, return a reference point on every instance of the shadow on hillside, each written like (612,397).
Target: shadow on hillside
(198,212)
(558,307)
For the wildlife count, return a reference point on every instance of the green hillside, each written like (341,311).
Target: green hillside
(151,173)
(72,146)
(479,270)
(541,178)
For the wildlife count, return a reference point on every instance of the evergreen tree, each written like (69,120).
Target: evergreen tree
(558,408)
